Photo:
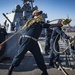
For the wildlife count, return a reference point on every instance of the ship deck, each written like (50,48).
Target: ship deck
(28,65)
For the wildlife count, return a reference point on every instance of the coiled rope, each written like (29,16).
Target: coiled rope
(59,52)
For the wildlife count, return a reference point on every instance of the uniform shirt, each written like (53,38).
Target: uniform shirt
(35,29)
(3,34)
(58,31)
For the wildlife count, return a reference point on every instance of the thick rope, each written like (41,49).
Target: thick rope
(10,37)
(60,52)
(28,23)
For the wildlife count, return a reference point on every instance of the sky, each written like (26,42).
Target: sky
(55,9)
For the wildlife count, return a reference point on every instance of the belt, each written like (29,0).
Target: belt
(29,37)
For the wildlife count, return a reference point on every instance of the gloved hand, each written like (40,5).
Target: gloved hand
(66,21)
(72,40)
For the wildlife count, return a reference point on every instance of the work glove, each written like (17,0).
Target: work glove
(66,21)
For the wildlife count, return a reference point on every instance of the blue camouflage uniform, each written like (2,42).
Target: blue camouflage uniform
(48,33)
(33,29)
(54,57)
(29,44)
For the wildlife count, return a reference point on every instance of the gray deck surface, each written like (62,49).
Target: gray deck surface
(28,65)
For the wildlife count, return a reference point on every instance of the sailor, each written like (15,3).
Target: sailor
(3,36)
(73,45)
(48,32)
(33,28)
(56,34)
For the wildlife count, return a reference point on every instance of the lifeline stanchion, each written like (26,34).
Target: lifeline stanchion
(62,69)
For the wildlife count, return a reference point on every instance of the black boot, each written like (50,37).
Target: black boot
(44,73)
(10,70)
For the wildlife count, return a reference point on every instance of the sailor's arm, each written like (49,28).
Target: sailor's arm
(61,23)
(55,25)
(46,25)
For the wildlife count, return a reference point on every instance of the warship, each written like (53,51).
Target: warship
(18,17)
(14,22)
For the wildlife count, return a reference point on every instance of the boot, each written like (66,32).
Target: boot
(44,73)
(10,70)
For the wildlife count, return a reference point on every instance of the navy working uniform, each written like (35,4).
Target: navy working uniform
(48,33)
(3,35)
(73,45)
(54,57)
(32,33)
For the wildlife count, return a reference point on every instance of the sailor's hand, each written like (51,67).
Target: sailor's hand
(70,38)
(66,21)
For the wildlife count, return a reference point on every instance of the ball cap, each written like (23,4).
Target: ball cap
(37,12)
